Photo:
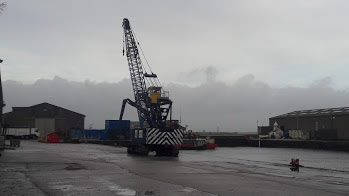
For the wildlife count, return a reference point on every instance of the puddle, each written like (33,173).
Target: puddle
(62,187)
(191,191)
(149,193)
(332,182)
(68,187)
(14,169)
(74,166)
(279,175)
(118,189)
(122,191)
(187,190)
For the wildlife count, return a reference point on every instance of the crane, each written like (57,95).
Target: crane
(155,131)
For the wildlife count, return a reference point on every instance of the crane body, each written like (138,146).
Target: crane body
(155,131)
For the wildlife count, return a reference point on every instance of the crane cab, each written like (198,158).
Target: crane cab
(154,93)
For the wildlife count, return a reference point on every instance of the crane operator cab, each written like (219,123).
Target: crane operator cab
(154,93)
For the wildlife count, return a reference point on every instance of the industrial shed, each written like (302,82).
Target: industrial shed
(47,118)
(325,124)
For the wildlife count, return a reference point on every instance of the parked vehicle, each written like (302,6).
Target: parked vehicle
(22,133)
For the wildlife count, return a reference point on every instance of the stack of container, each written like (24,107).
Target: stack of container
(118,129)
(89,134)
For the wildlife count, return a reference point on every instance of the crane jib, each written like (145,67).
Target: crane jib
(150,75)
(126,24)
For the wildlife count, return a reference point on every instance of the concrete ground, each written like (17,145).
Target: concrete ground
(88,169)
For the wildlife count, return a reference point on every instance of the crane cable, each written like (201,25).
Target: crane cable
(159,83)
(150,83)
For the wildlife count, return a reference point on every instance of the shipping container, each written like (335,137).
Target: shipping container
(118,134)
(90,134)
(117,125)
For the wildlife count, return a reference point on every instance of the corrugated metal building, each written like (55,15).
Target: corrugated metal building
(331,123)
(47,118)
(264,130)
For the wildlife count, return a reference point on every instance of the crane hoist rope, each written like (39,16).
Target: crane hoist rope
(153,82)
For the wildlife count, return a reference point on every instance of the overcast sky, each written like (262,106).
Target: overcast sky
(216,48)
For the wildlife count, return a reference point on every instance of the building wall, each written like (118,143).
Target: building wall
(338,123)
(64,120)
(264,130)
(45,126)
(342,125)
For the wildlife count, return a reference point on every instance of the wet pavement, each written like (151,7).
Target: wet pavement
(88,169)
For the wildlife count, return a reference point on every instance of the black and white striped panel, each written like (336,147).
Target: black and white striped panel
(155,136)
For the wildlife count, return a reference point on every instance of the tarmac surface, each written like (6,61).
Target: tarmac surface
(88,169)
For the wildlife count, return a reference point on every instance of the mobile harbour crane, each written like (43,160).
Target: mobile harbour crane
(155,132)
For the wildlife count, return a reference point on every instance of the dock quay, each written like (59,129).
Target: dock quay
(251,140)
(294,143)
(246,140)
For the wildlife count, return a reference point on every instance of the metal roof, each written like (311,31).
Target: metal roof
(316,112)
(45,103)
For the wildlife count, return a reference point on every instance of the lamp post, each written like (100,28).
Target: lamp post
(1,101)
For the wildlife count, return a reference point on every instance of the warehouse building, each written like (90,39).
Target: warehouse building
(47,118)
(324,124)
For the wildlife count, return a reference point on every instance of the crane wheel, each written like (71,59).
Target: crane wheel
(171,151)
(138,150)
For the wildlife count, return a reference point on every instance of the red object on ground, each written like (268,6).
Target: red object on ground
(211,146)
(52,138)
(186,145)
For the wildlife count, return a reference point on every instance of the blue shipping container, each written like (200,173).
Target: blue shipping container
(117,124)
(90,134)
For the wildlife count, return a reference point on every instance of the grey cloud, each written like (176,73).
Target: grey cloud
(211,73)
(77,38)
(199,75)
(323,82)
(234,107)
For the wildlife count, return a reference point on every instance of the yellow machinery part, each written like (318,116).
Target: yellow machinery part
(154,97)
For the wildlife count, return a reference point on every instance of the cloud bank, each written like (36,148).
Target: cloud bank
(213,104)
